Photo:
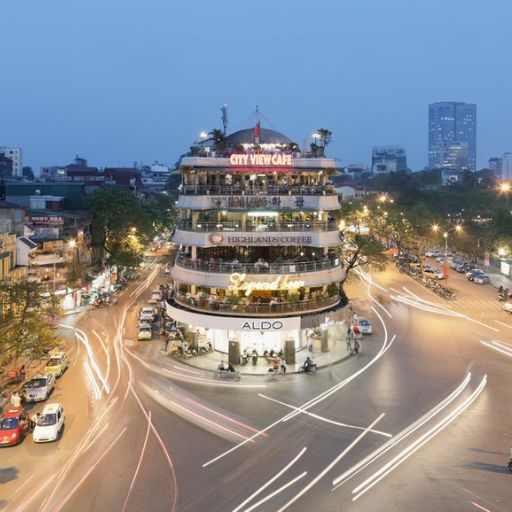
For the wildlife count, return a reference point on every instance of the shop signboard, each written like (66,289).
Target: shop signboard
(255,202)
(218,239)
(239,282)
(264,160)
(240,324)
(45,220)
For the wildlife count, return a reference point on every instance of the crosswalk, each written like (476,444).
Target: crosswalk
(478,304)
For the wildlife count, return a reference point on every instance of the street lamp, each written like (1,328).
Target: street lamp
(203,135)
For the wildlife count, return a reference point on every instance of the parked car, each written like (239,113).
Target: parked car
(434,253)
(508,307)
(472,273)
(49,424)
(456,262)
(463,268)
(14,426)
(481,278)
(167,269)
(364,325)
(57,364)
(147,314)
(443,257)
(144,333)
(38,388)
(433,273)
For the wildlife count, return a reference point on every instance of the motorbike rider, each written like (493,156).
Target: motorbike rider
(307,364)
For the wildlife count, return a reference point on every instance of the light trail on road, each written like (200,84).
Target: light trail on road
(404,434)
(416,445)
(271,481)
(319,398)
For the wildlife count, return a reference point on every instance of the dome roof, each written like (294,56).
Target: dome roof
(266,137)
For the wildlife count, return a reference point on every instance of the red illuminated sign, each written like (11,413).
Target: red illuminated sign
(260,160)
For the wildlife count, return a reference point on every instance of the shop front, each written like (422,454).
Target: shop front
(259,334)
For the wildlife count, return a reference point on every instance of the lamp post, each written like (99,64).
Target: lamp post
(457,229)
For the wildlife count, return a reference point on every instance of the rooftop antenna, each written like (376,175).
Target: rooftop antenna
(224,110)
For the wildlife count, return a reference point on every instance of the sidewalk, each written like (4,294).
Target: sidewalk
(33,367)
(209,362)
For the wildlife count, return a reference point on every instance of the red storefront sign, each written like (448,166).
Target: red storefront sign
(44,220)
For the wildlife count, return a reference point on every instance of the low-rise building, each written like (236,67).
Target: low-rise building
(387,159)
(15,155)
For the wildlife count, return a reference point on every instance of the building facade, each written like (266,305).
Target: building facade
(506,166)
(495,165)
(258,265)
(387,159)
(451,124)
(16,155)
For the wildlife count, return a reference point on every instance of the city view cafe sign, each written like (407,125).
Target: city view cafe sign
(262,160)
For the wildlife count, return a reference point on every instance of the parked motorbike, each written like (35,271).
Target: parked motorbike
(510,465)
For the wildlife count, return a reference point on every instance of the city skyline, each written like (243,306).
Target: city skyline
(116,98)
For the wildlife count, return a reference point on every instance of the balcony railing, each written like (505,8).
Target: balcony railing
(283,190)
(257,309)
(211,227)
(257,267)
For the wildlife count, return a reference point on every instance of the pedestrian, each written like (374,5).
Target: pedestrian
(166,343)
(310,345)
(16,399)
(357,346)
(349,339)
(283,366)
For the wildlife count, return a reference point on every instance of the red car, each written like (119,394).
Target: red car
(14,426)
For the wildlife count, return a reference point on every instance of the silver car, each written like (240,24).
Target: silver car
(39,388)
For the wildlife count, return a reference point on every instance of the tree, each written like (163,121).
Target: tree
(120,226)
(360,247)
(29,318)
(325,136)
(219,139)
(28,173)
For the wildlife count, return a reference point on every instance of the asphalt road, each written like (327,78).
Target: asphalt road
(144,432)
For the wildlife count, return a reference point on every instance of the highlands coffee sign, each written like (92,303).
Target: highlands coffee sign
(273,160)
(218,239)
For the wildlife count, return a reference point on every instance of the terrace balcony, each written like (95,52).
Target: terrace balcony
(249,227)
(215,306)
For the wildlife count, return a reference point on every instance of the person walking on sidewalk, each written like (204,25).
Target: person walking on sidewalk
(349,339)
(16,399)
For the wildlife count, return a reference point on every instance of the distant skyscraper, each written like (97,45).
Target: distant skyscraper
(506,172)
(451,125)
(15,154)
(495,165)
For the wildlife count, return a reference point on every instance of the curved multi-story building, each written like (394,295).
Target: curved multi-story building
(258,264)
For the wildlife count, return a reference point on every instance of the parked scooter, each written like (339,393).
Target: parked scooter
(503,294)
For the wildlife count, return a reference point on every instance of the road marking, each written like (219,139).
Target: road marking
(416,445)
(503,350)
(187,370)
(277,491)
(322,418)
(331,464)
(273,479)
(480,507)
(503,324)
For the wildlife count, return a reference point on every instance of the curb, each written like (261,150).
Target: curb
(263,374)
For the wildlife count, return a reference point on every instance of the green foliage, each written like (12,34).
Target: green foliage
(29,318)
(120,225)
(28,172)
(325,136)
(219,139)
(361,247)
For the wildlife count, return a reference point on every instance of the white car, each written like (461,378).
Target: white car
(433,273)
(39,388)
(364,325)
(433,253)
(49,424)
(156,295)
(145,333)
(147,314)
(508,307)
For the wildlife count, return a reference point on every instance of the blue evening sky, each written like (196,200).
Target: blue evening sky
(137,80)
